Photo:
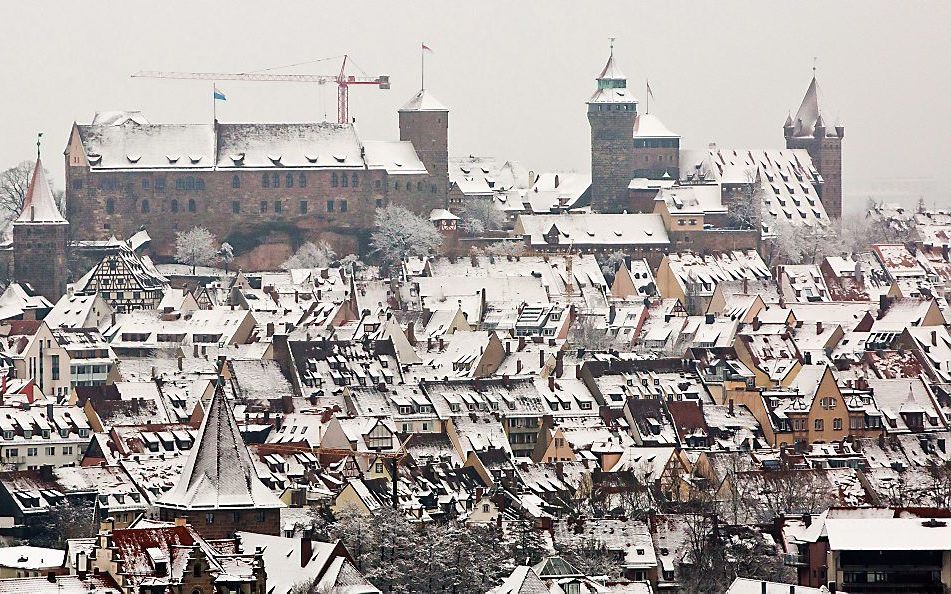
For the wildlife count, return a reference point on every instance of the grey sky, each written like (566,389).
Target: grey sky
(515,74)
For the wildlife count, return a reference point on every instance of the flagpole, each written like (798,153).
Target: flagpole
(422,67)
(647,95)
(214,103)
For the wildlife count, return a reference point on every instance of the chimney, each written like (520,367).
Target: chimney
(807,520)
(195,350)
(612,312)
(551,382)
(521,343)
(557,181)
(709,318)
(762,588)
(934,338)
(306,550)
(559,363)
(518,366)
(181,521)
(508,347)
(49,412)
(181,363)
(51,577)
(541,358)
(756,323)
(746,286)
(731,407)
(818,327)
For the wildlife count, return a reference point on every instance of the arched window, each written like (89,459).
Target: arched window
(236,182)
(344,180)
(276,180)
(110,205)
(174,205)
(396,185)
(265,180)
(354,180)
(333,179)
(191,205)
(264,206)
(146,207)
(302,180)
(419,186)
(289,180)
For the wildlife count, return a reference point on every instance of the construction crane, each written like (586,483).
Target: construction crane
(343,81)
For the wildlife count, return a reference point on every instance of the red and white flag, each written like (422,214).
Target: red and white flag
(427,48)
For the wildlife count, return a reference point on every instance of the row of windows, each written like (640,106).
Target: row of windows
(273,180)
(48,450)
(656,143)
(302,207)
(145,206)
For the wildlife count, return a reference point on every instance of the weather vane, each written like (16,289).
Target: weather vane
(39,137)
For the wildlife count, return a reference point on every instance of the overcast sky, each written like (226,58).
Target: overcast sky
(514,74)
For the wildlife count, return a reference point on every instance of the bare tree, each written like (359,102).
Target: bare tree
(311,255)
(400,234)
(195,247)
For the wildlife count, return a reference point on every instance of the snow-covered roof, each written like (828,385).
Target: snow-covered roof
(424,101)
(647,125)
(39,206)
(903,534)
(594,229)
(219,473)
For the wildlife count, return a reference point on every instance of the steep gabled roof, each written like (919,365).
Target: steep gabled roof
(219,473)
(39,206)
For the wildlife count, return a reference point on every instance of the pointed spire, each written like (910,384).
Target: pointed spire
(39,206)
(611,70)
(219,472)
(810,111)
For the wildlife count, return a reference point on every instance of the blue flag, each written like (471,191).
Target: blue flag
(219,96)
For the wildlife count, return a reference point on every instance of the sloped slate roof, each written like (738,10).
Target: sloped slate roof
(219,472)
(39,205)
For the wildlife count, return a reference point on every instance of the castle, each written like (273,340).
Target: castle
(628,144)
(252,184)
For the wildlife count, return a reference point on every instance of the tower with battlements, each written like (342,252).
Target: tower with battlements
(812,130)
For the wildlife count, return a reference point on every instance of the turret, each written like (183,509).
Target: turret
(788,127)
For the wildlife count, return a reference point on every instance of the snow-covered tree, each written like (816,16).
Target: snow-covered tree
(505,248)
(311,255)
(195,247)
(481,214)
(226,253)
(610,263)
(400,234)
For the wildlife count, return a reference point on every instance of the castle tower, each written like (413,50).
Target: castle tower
(219,491)
(612,111)
(424,121)
(808,130)
(40,237)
